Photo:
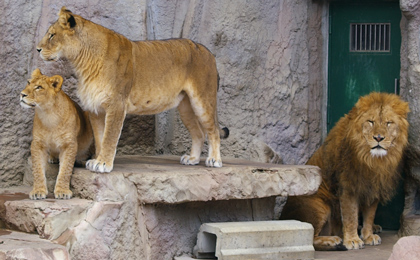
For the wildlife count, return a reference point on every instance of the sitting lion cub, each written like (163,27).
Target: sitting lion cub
(60,130)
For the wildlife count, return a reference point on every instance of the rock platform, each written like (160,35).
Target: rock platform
(152,207)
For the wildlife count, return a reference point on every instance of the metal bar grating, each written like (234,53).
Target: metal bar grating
(370,37)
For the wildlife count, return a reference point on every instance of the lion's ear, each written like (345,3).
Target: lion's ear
(36,73)
(56,81)
(66,19)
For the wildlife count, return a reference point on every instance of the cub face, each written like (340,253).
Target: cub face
(59,40)
(40,90)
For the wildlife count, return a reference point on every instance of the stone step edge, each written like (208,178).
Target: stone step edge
(267,250)
(20,245)
(211,237)
(51,219)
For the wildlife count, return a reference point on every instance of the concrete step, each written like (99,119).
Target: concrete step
(17,245)
(288,239)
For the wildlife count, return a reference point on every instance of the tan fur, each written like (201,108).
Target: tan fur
(60,130)
(118,76)
(355,176)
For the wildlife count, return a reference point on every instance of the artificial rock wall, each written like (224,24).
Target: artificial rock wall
(269,56)
(410,90)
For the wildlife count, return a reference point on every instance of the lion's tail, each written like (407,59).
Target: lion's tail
(224,133)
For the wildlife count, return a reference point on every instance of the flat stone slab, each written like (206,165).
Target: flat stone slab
(281,239)
(162,179)
(18,245)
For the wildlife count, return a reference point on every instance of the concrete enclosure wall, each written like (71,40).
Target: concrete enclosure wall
(269,56)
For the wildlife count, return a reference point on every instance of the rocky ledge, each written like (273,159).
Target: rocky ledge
(162,179)
(152,207)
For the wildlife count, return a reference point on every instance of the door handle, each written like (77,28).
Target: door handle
(396,87)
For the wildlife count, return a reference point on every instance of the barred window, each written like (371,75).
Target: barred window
(370,37)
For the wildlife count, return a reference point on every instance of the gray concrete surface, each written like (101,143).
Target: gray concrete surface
(281,239)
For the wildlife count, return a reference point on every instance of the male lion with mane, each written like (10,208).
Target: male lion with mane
(61,130)
(360,165)
(118,76)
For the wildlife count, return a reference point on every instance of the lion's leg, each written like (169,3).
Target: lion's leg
(191,122)
(349,214)
(39,160)
(67,158)
(367,231)
(314,210)
(98,124)
(114,119)
(205,110)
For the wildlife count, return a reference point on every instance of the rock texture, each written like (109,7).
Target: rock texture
(164,180)
(151,207)
(410,90)
(407,248)
(268,56)
(16,245)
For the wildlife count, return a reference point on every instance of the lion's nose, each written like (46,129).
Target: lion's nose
(378,138)
(38,49)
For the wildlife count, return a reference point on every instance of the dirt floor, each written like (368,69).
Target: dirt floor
(381,252)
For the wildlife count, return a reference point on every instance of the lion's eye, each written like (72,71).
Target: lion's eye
(51,36)
(38,87)
(388,124)
(371,122)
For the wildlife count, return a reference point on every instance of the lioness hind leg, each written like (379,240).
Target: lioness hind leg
(191,122)
(206,114)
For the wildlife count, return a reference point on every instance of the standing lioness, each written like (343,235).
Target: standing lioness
(118,76)
(60,130)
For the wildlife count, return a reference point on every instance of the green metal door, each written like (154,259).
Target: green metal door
(364,56)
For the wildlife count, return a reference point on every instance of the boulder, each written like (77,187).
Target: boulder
(406,248)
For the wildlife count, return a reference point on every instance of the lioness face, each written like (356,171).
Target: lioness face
(59,41)
(40,90)
(50,47)
(380,128)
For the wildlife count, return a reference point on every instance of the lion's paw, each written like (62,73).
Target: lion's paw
(376,229)
(96,165)
(63,193)
(53,160)
(211,162)
(355,243)
(372,240)
(189,160)
(38,194)
(330,241)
